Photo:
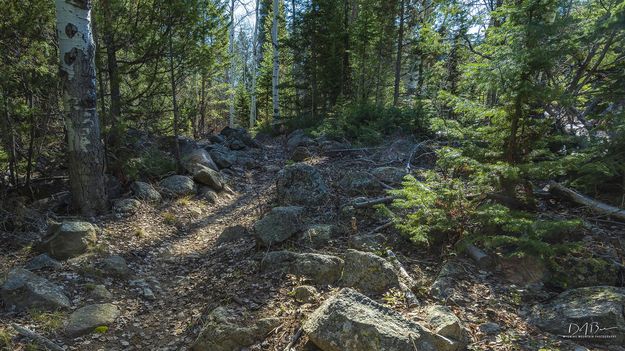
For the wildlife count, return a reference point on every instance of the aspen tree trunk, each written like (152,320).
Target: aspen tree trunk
(400,44)
(276,63)
(231,68)
(254,65)
(77,73)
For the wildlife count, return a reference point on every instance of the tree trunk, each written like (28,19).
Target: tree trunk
(231,68)
(254,65)
(113,72)
(276,63)
(346,69)
(400,44)
(174,101)
(77,71)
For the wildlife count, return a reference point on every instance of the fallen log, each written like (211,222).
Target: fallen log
(381,200)
(594,205)
(480,257)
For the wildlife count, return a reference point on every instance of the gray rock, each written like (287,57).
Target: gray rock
(321,269)
(444,322)
(399,150)
(359,183)
(115,266)
(236,144)
(389,175)
(145,191)
(101,293)
(207,176)
(368,272)
(301,153)
(367,242)
(233,233)
(126,207)
(223,157)
(24,290)
(490,328)
(599,307)
(196,158)
(444,285)
(301,184)
(305,293)
(298,138)
(224,330)
(351,321)
(208,194)
(69,239)
(278,225)
(84,320)
(42,261)
(317,235)
(178,185)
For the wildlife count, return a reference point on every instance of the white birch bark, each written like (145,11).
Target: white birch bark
(231,68)
(276,63)
(78,78)
(254,65)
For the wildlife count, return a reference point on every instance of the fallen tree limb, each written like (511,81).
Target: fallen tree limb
(380,200)
(38,338)
(479,256)
(594,205)
(294,339)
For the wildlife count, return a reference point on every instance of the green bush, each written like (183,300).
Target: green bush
(151,164)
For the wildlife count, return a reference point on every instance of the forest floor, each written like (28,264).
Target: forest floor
(172,247)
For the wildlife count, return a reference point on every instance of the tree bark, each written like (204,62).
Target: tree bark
(276,63)
(400,44)
(77,73)
(254,66)
(174,101)
(113,73)
(231,67)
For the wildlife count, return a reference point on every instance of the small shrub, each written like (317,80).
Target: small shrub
(169,218)
(101,329)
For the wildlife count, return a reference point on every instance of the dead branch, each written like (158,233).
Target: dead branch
(377,201)
(294,339)
(594,205)
(36,337)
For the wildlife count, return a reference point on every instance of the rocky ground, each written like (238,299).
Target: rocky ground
(273,245)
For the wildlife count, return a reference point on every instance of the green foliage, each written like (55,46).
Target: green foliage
(368,124)
(103,329)
(151,164)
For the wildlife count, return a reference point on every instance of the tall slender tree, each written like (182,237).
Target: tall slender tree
(77,71)
(254,65)
(276,62)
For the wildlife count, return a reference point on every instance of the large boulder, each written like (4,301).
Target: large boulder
(444,322)
(301,184)
(145,191)
(178,185)
(351,321)
(223,157)
(594,314)
(84,320)
(317,235)
(321,269)
(298,138)
(23,290)
(207,176)
(278,225)
(68,239)
(126,207)
(359,183)
(368,272)
(196,158)
(42,261)
(224,331)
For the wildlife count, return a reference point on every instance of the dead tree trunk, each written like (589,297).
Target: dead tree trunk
(77,71)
